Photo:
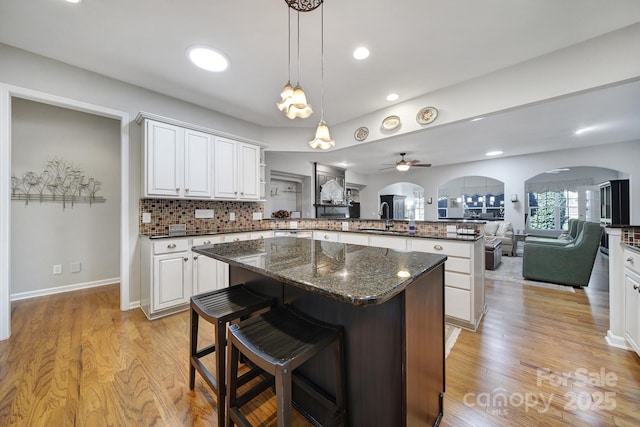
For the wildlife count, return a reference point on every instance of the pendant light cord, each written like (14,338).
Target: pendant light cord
(298,48)
(322,62)
(289,42)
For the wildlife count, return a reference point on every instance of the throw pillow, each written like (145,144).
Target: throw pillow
(490,228)
(503,228)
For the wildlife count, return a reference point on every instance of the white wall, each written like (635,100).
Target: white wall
(513,171)
(27,70)
(44,234)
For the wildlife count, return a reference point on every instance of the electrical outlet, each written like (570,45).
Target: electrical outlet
(257,216)
(232,216)
(57,269)
(146,217)
(76,267)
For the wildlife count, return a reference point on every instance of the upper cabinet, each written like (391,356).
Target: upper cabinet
(177,161)
(185,163)
(236,170)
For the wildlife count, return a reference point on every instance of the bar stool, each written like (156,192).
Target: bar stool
(219,308)
(278,342)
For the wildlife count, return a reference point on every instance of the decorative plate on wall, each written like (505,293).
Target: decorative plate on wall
(391,123)
(361,134)
(426,115)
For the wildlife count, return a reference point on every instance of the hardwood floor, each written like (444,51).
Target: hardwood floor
(539,358)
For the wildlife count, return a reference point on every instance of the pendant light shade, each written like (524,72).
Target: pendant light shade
(323,139)
(287,97)
(298,106)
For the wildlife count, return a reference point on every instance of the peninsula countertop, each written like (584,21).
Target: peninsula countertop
(358,275)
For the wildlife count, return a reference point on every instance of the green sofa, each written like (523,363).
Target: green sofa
(570,264)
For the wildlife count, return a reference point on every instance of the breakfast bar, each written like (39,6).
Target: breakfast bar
(390,302)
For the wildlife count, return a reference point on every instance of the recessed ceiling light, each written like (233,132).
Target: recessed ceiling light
(585,130)
(477,119)
(494,153)
(557,170)
(208,59)
(361,53)
(74,1)
(393,97)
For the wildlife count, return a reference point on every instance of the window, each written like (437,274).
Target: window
(442,207)
(551,210)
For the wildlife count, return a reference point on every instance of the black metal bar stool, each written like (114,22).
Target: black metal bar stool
(278,342)
(219,308)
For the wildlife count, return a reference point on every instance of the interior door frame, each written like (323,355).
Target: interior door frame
(7,92)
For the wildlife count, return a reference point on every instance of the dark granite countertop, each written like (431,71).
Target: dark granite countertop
(358,275)
(419,234)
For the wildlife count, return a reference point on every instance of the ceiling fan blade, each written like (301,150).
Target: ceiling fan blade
(422,165)
(413,162)
(390,167)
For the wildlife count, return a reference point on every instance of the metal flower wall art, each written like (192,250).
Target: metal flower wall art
(60,181)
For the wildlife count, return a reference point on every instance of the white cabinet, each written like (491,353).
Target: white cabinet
(171,273)
(327,236)
(463,278)
(236,237)
(632,299)
(237,170)
(177,161)
(389,242)
(172,280)
(209,274)
(354,238)
(263,234)
(166,276)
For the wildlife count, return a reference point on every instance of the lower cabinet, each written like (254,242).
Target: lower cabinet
(632,300)
(171,274)
(208,274)
(464,299)
(172,280)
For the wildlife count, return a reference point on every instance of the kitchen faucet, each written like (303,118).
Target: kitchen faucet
(388,224)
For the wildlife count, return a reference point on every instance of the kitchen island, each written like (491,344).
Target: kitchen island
(390,302)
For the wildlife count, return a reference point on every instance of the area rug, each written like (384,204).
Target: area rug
(450,336)
(510,270)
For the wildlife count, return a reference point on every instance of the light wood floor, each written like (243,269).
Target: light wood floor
(75,360)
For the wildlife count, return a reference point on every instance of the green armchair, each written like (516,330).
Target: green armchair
(575,227)
(567,265)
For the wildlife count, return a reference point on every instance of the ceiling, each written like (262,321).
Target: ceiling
(143,42)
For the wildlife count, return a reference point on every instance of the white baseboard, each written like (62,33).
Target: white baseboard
(616,341)
(62,289)
(134,304)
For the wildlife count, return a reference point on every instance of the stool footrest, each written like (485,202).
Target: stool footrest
(205,351)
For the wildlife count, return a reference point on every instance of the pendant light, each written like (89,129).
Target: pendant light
(323,139)
(296,106)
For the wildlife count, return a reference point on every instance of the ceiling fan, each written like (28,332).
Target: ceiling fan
(404,165)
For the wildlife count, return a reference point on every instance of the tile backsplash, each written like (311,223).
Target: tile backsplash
(165,212)
(631,236)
